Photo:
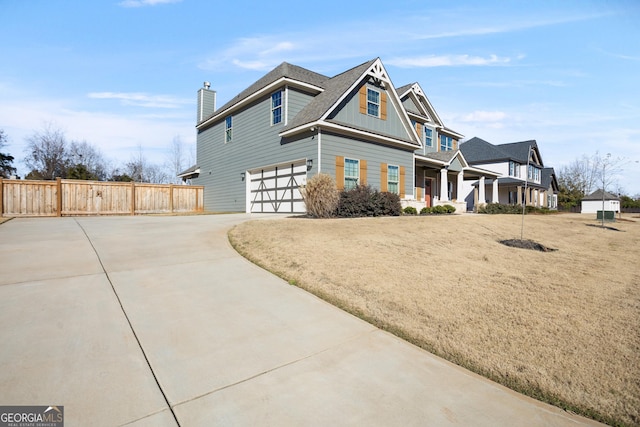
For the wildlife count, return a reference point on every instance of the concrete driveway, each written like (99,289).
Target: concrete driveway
(156,321)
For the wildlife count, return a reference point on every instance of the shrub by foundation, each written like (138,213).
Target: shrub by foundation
(410,210)
(365,201)
(320,196)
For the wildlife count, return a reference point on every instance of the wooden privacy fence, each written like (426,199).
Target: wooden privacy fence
(76,197)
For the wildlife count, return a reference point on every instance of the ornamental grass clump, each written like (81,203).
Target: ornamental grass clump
(320,196)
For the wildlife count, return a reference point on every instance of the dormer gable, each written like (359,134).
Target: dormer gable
(361,101)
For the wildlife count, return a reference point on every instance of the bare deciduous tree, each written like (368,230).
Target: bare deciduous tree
(90,158)
(176,159)
(46,153)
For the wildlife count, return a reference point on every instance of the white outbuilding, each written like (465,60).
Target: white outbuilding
(592,203)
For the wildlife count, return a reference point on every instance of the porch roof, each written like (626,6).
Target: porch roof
(513,182)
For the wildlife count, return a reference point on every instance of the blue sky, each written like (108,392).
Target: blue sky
(123,74)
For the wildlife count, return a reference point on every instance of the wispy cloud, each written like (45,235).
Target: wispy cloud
(448,61)
(516,25)
(489,119)
(140,3)
(142,99)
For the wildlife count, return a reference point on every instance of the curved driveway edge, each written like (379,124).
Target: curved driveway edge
(157,321)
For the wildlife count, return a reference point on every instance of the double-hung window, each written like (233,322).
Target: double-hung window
(514,169)
(446,143)
(373,102)
(351,173)
(428,137)
(393,179)
(228,129)
(276,107)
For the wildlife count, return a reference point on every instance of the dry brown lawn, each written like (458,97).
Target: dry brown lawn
(561,326)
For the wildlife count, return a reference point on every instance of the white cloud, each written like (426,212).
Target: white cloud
(139,3)
(447,61)
(484,116)
(142,99)
(118,136)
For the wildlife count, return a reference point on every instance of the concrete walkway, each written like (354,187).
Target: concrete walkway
(156,321)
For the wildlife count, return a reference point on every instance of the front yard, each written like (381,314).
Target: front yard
(560,326)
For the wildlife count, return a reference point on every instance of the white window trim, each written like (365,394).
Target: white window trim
(281,107)
(357,177)
(228,131)
(378,104)
(424,135)
(389,178)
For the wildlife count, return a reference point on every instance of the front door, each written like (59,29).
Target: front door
(427,191)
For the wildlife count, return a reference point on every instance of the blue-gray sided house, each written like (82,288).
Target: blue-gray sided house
(255,151)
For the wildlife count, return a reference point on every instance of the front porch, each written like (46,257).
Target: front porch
(440,180)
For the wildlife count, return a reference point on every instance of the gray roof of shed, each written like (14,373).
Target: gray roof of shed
(597,195)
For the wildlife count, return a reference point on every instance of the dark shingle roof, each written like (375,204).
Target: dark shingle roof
(443,156)
(519,151)
(334,88)
(548,177)
(478,150)
(403,89)
(283,70)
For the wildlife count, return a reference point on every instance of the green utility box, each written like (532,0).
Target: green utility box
(608,215)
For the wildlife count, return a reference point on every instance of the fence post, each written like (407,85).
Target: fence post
(171,198)
(59,188)
(1,197)
(133,197)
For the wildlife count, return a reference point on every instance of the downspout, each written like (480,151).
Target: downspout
(319,151)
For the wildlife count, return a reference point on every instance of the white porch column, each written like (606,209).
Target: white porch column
(495,198)
(482,198)
(444,185)
(459,194)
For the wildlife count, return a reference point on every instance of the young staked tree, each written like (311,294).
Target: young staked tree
(6,160)
(46,153)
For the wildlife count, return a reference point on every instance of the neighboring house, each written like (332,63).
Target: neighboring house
(254,152)
(593,203)
(522,177)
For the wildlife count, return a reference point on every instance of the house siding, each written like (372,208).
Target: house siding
(255,144)
(335,145)
(349,112)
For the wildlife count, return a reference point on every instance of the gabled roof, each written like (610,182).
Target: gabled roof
(597,195)
(421,97)
(334,87)
(478,150)
(336,90)
(284,71)
(548,178)
(519,151)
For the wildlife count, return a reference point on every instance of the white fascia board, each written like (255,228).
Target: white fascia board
(483,172)
(378,71)
(320,124)
(417,89)
(267,89)
(429,160)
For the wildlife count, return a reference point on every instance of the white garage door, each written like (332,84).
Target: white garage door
(277,188)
